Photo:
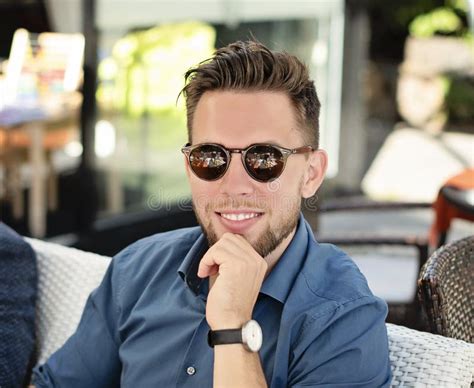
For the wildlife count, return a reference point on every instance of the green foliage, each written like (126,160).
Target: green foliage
(146,69)
(460,100)
(138,88)
(445,83)
(450,19)
(405,11)
(441,20)
(459,5)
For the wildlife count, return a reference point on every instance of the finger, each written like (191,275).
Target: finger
(207,267)
(204,272)
(214,257)
(238,240)
(246,246)
(230,248)
(234,240)
(230,241)
(240,247)
(245,252)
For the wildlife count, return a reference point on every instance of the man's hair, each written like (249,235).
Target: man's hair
(250,66)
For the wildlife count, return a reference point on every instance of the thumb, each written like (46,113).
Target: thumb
(206,270)
(209,264)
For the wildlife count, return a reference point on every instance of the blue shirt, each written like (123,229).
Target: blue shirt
(145,325)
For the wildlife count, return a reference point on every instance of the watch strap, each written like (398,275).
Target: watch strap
(223,337)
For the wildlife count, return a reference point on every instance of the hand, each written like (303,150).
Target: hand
(240,272)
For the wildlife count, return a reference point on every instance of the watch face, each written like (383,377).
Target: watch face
(252,336)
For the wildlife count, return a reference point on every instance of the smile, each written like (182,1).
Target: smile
(239,216)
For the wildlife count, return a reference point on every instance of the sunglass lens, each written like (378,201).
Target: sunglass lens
(264,163)
(208,161)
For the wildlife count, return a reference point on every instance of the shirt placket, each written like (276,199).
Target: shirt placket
(196,369)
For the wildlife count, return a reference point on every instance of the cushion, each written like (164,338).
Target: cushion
(18,282)
(66,277)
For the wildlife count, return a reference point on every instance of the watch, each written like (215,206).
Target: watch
(250,335)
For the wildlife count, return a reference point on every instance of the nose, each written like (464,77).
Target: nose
(236,180)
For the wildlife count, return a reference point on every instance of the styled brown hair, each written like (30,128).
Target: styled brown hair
(250,66)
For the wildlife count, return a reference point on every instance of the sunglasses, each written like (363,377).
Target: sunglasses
(263,162)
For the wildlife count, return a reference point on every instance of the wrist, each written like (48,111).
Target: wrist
(250,335)
(228,323)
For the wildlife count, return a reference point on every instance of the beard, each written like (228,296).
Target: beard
(269,238)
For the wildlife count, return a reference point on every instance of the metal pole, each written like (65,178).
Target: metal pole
(87,193)
(89,109)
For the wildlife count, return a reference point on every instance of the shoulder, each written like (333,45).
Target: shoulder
(329,273)
(333,320)
(153,260)
(330,287)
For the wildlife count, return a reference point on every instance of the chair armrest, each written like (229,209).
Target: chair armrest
(362,203)
(425,359)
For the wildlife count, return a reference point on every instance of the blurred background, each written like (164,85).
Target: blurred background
(91,125)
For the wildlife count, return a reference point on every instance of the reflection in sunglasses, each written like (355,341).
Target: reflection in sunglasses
(262,161)
(207,159)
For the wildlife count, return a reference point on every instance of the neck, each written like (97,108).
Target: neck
(273,257)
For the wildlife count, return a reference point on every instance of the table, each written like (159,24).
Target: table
(33,137)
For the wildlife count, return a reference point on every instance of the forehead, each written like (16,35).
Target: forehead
(240,118)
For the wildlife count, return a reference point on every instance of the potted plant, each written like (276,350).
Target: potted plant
(437,76)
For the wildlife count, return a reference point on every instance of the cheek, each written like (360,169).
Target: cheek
(295,178)
(285,193)
(276,198)
(286,201)
(202,192)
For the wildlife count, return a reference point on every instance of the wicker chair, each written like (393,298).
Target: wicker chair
(446,290)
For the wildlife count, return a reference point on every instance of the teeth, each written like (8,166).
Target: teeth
(239,217)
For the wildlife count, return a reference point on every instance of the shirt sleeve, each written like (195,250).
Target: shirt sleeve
(89,358)
(343,347)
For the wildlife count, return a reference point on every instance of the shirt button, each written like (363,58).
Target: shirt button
(191,370)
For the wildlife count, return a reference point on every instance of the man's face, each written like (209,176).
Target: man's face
(270,210)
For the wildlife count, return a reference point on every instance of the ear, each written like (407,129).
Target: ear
(315,173)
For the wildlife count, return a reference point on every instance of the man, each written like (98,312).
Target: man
(189,307)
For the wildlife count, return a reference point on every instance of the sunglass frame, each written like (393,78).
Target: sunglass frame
(286,152)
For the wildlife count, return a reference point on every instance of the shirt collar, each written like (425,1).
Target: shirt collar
(281,278)
(277,284)
(189,267)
